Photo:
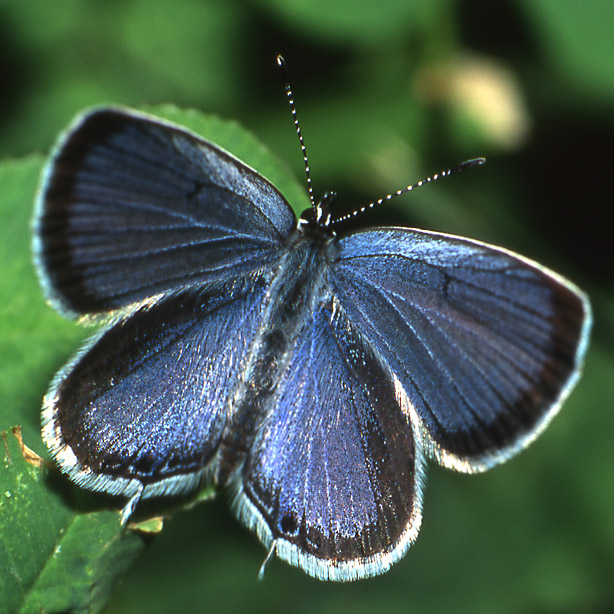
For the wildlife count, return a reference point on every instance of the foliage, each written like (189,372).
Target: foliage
(384,97)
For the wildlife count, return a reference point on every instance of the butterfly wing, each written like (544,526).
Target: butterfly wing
(131,207)
(176,238)
(333,479)
(485,343)
(144,405)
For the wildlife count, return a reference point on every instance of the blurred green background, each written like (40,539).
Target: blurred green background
(387,92)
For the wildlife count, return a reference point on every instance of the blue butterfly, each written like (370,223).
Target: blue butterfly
(311,372)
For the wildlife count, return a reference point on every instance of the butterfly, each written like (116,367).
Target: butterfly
(310,371)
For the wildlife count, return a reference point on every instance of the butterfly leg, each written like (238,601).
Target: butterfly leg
(270,553)
(131,505)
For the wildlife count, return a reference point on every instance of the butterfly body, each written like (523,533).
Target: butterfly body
(309,371)
(296,287)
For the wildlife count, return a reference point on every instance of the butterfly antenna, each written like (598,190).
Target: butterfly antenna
(451,171)
(286,77)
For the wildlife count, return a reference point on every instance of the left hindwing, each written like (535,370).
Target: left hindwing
(144,405)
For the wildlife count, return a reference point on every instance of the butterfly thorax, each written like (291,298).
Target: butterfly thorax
(298,288)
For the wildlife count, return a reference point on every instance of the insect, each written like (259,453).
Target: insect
(310,371)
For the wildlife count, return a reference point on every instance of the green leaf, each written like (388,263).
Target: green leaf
(53,559)
(34,340)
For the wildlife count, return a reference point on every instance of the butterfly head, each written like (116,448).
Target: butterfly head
(317,219)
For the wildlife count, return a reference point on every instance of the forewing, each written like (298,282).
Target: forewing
(485,343)
(333,480)
(130,207)
(145,404)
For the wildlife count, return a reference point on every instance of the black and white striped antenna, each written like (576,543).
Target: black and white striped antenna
(320,208)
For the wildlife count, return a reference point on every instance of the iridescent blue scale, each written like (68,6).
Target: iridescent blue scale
(311,372)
